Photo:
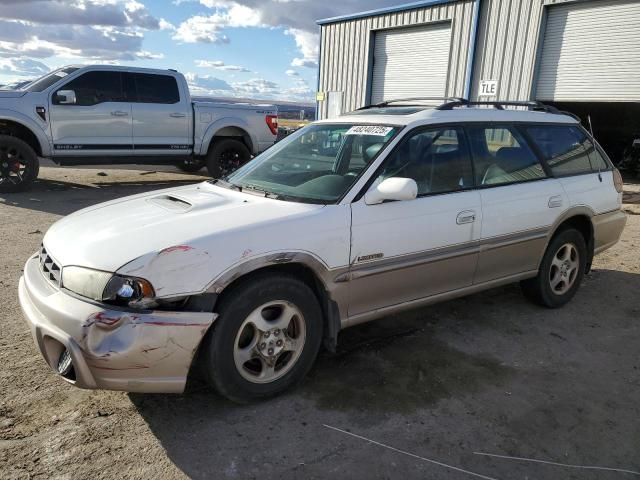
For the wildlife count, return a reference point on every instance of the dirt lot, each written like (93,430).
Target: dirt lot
(489,373)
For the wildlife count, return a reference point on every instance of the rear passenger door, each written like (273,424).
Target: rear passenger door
(520,201)
(161,115)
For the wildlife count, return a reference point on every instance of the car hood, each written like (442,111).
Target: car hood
(110,235)
(12,93)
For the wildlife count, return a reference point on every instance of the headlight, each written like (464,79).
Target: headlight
(86,282)
(107,287)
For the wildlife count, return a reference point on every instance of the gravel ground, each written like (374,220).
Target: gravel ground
(488,373)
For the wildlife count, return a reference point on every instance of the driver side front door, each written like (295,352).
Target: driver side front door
(404,251)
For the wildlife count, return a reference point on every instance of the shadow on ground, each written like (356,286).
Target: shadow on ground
(448,370)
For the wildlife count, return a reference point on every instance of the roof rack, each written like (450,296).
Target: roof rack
(386,103)
(533,105)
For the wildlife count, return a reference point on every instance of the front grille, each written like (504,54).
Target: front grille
(50,269)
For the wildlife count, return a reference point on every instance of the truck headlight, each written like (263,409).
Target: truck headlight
(107,287)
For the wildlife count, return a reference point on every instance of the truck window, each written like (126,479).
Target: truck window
(152,88)
(96,87)
(567,149)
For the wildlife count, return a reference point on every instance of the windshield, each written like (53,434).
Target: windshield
(49,79)
(317,164)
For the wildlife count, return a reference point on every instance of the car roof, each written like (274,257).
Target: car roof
(424,115)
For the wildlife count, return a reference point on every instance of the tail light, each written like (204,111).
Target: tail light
(617,181)
(272,123)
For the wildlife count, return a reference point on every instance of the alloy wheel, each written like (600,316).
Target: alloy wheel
(564,269)
(269,342)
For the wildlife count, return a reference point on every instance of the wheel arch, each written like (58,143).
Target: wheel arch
(25,133)
(579,218)
(303,266)
(228,128)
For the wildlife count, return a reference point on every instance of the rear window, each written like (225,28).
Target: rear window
(567,149)
(156,88)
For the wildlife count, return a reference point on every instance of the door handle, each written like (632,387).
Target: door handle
(178,115)
(555,201)
(119,113)
(468,216)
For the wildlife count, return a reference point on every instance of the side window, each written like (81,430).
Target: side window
(502,156)
(93,88)
(153,88)
(567,150)
(437,159)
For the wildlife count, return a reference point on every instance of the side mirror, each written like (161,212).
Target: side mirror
(394,188)
(65,97)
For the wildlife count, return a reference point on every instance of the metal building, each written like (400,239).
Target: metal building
(580,55)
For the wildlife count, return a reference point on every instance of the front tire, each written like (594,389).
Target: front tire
(561,271)
(226,156)
(265,340)
(19,165)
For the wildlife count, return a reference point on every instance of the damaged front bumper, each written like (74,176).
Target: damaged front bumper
(147,351)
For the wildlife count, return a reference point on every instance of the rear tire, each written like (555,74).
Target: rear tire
(561,271)
(265,340)
(226,156)
(19,165)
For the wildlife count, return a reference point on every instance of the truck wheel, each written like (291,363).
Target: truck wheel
(265,340)
(226,156)
(19,165)
(190,166)
(561,270)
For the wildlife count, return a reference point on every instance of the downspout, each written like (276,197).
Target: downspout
(318,81)
(471,59)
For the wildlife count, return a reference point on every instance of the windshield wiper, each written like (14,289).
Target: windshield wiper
(224,184)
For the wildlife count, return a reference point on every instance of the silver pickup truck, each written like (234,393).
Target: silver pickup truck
(98,114)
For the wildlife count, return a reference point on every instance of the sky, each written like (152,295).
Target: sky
(246,48)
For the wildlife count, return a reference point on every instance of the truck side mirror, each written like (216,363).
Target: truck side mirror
(65,97)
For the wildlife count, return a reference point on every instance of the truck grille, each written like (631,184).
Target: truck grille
(50,269)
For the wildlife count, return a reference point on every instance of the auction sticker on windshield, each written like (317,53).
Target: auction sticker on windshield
(377,130)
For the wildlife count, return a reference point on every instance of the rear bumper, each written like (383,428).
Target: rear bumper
(111,349)
(607,229)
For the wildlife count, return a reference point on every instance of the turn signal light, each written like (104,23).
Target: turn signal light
(272,123)
(617,180)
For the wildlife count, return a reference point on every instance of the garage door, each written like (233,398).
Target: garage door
(591,52)
(411,62)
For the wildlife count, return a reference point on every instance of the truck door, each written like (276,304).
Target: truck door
(90,116)
(161,116)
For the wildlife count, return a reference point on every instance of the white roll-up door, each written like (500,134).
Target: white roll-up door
(411,62)
(591,52)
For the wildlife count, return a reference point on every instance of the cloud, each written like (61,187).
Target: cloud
(208,28)
(22,67)
(220,65)
(292,73)
(95,29)
(207,85)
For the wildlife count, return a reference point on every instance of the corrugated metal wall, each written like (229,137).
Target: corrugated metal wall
(508,36)
(345,50)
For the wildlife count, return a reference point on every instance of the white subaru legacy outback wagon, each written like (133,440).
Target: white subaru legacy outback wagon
(388,208)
